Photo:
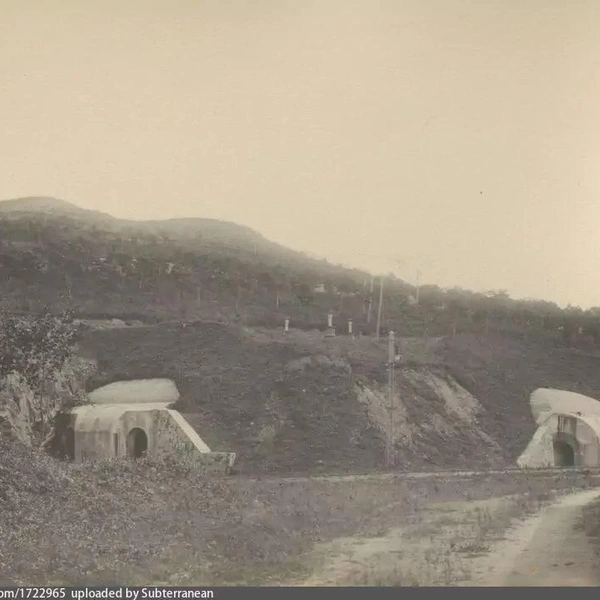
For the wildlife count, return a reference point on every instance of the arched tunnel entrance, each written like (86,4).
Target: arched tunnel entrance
(69,444)
(137,443)
(564,454)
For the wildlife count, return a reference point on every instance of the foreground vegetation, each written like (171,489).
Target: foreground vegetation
(148,522)
(590,523)
(435,546)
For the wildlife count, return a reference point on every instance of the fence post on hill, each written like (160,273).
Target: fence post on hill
(391,362)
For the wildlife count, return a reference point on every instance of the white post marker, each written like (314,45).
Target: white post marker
(350,326)
(391,348)
(287,325)
(329,320)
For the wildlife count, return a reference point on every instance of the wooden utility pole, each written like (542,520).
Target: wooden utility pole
(391,363)
(417,286)
(379,309)
(370,301)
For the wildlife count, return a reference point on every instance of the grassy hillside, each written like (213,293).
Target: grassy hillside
(180,268)
(299,403)
(501,371)
(242,393)
(56,254)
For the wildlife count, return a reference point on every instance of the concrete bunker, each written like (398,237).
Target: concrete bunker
(568,433)
(133,419)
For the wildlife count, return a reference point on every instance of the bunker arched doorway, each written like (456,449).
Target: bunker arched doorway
(564,454)
(137,443)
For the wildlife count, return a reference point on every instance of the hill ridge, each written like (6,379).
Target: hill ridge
(44,204)
(198,268)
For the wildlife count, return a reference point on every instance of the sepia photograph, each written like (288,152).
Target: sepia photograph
(298,295)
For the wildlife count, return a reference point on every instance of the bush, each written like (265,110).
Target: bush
(40,376)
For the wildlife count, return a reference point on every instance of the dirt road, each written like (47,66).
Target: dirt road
(456,544)
(548,549)
(439,473)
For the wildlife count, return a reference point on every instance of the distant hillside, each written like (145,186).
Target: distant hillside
(45,206)
(178,268)
(49,210)
(99,264)
(55,254)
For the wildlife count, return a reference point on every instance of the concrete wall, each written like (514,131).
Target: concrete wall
(93,445)
(588,437)
(540,451)
(174,436)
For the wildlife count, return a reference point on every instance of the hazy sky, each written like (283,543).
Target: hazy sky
(459,136)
